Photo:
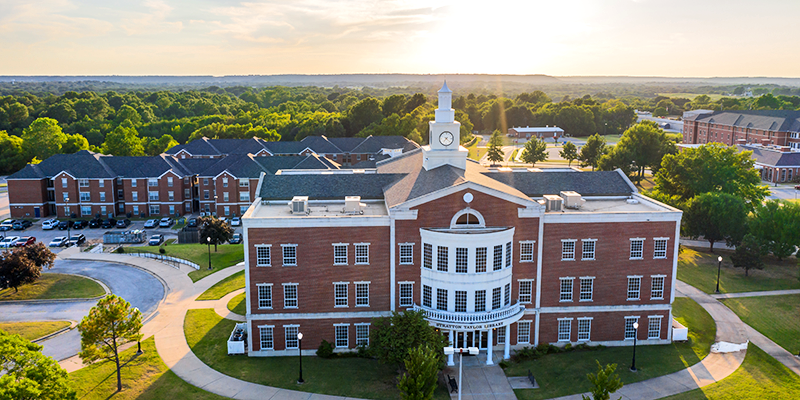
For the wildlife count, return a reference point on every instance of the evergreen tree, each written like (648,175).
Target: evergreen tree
(494,152)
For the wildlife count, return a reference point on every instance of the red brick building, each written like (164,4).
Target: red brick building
(765,127)
(496,260)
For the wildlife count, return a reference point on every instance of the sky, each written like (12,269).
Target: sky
(699,38)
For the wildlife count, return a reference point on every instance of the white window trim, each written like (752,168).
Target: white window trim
(355,253)
(578,337)
(630,250)
(283,259)
(400,297)
(271,300)
(401,257)
(636,320)
(335,339)
(529,331)
(297,292)
(273,336)
(574,249)
(663,287)
(533,251)
(649,317)
(594,253)
(558,330)
(269,259)
(654,248)
(627,282)
(285,338)
(572,293)
(579,288)
(346,297)
(356,292)
(519,290)
(346,255)
(356,325)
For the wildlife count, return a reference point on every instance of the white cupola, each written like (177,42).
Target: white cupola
(444,145)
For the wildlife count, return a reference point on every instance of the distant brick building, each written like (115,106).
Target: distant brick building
(539,132)
(776,127)
(496,260)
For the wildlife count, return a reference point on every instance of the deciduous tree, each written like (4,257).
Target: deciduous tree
(124,141)
(569,152)
(748,254)
(604,382)
(12,155)
(641,146)
(419,380)
(391,338)
(216,229)
(535,150)
(43,138)
(776,225)
(591,152)
(23,265)
(716,216)
(109,325)
(28,374)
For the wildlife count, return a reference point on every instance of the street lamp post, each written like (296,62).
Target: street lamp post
(138,342)
(719,266)
(300,380)
(469,350)
(69,223)
(208,239)
(635,335)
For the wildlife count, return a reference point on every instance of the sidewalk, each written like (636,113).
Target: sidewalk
(221,306)
(755,294)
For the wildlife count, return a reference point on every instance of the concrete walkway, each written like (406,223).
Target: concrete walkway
(755,294)
(221,306)
(480,381)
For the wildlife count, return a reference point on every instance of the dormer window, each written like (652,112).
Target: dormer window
(467,218)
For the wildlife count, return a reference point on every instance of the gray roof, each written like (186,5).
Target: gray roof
(538,184)
(145,167)
(321,145)
(374,144)
(772,157)
(773,120)
(325,187)
(318,144)
(83,164)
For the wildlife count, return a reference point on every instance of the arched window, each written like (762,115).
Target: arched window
(467,218)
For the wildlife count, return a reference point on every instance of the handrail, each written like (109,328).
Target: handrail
(469,317)
(162,258)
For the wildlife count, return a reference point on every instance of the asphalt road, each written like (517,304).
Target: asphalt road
(138,287)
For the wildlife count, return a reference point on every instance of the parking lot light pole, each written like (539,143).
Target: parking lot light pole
(635,335)
(719,266)
(300,380)
(208,239)
(69,223)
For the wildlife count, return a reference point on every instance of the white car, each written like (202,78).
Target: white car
(8,241)
(151,223)
(236,221)
(49,224)
(58,241)
(166,222)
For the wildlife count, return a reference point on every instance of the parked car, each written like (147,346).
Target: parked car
(236,221)
(49,224)
(95,223)
(236,239)
(166,222)
(58,241)
(7,225)
(123,223)
(8,241)
(109,223)
(24,241)
(151,223)
(79,224)
(21,224)
(77,240)
(156,240)
(192,222)
(63,225)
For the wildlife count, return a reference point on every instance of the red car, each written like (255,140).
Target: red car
(24,241)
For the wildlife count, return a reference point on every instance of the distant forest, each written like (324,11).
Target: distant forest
(46,117)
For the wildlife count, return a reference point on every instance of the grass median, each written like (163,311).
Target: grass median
(776,317)
(33,330)
(698,267)
(223,287)
(52,286)
(238,305)
(226,255)
(563,374)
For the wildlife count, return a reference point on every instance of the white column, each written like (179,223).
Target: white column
(507,347)
(489,347)
(452,343)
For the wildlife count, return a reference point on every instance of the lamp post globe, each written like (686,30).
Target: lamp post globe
(719,266)
(635,336)
(300,380)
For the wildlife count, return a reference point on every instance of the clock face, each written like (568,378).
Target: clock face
(446,138)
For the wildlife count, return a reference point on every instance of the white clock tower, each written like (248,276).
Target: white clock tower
(444,147)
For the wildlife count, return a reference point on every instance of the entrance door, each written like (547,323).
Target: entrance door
(36,212)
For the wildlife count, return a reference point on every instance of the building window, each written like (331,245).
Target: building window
(660,248)
(242,209)
(226,210)
(634,285)
(340,254)
(83,183)
(480,300)
(566,289)
(587,287)
(588,249)
(187,193)
(637,249)
(461,260)
(224,182)
(205,181)
(523,332)
(290,295)
(480,259)
(441,299)
(497,298)
(169,181)
(264,295)
(657,287)
(289,254)
(568,250)
(362,253)
(342,335)
(290,332)
(135,210)
(153,196)
(507,295)
(654,327)
(266,337)
(85,196)
(135,196)
(630,332)
(133,182)
(244,183)
(426,296)
(362,335)
(564,329)
(584,329)
(244,196)
(340,294)
(498,258)
(63,182)
(205,194)
(263,256)
(152,182)
(86,210)
(525,291)
(406,254)
(102,183)
(171,210)
(225,197)
(362,294)
(526,251)
(65,196)
(441,258)
(508,254)
(406,294)
(461,301)
(155,210)
(501,335)
(427,259)
(171,196)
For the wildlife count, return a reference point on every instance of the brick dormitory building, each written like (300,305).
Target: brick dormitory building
(206,175)
(495,259)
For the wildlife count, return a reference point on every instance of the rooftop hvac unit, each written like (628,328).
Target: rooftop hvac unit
(353,205)
(299,205)
(572,199)
(552,202)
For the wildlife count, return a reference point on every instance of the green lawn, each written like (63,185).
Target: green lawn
(33,330)
(777,317)
(144,377)
(565,373)
(698,267)
(207,333)
(225,256)
(759,377)
(237,304)
(55,286)
(223,287)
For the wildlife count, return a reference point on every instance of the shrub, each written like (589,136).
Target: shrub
(325,349)
(161,250)
(120,249)
(503,364)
